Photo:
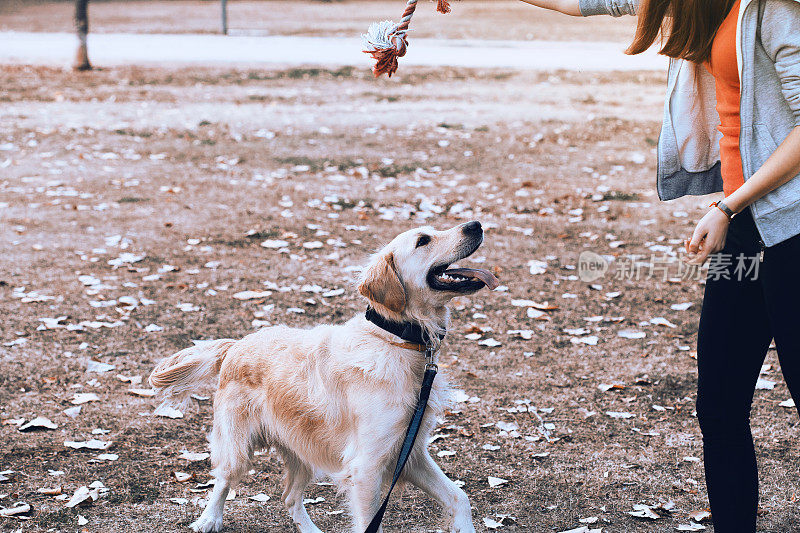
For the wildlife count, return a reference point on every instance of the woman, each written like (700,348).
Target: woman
(732,125)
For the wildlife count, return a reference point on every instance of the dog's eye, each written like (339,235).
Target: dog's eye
(423,240)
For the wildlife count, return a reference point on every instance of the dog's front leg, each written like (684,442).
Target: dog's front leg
(365,493)
(425,474)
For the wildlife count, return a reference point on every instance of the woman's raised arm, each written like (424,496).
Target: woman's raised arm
(568,7)
(615,8)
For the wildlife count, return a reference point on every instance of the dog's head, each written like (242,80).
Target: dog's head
(411,278)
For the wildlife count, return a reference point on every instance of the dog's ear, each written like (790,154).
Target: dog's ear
(381,285)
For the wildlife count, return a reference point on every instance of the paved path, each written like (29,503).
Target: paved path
(185,49)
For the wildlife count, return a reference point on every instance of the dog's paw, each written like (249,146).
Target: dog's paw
(207,524)
(463,526)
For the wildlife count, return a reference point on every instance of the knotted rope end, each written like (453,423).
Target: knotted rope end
(385,43)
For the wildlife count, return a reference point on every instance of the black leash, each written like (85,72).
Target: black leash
(411,435)
(413,333)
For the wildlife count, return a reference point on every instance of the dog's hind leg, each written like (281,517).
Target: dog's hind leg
(232,444)
(297,477)
(426,475)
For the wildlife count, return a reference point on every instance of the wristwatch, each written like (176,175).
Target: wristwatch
(724,208)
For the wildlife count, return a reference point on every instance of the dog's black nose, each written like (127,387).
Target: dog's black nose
(472,228)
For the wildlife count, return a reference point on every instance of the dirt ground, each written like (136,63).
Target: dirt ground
(133,205)
(469,19)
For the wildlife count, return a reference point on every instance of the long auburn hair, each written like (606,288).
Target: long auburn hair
(687,27)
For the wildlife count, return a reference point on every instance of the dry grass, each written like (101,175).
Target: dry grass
(82,160)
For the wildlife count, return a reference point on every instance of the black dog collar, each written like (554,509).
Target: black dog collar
(408,331)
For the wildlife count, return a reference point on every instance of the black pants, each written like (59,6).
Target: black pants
(739,319)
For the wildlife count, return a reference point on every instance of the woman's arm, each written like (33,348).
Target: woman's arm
(584,8)
(782,166)
(568,7)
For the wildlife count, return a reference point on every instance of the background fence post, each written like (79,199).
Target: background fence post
(224,4)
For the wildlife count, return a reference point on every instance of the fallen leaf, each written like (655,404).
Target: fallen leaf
(700,515)
(661,321)
(108,457)
(144,393)
(693,526)
(83,496)
(20,510)
(39,422)
(91,444)
(496,481)
(764,384)
(631,334)
(644,511)
(490,342)
(194,457)
(81,398)
(274,244)
(251,295)
(616,414)
(93,365)
(167,411)
(490,523)
(182,477)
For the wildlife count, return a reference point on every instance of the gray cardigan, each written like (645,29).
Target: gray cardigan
(768,53)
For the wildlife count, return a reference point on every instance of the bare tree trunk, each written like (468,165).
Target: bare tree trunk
(82,27)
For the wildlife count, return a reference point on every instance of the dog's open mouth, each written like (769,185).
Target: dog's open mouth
(442,278)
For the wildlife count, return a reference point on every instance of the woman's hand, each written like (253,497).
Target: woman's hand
(708,238)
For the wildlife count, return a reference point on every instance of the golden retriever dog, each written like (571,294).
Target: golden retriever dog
(336,400)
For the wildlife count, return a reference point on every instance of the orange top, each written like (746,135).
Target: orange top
(725,69)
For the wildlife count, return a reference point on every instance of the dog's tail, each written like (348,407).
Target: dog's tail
(181,374)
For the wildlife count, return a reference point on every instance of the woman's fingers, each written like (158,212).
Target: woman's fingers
(697,238)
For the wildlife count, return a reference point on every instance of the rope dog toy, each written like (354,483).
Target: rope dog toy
(386,41)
